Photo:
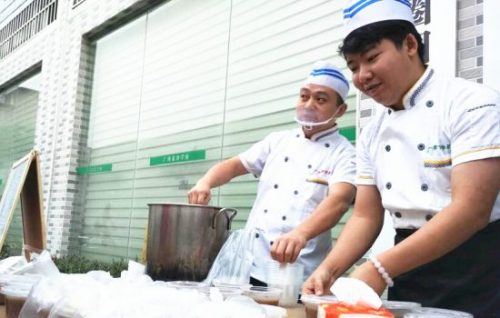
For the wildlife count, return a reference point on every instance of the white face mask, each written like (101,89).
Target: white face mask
(308,119)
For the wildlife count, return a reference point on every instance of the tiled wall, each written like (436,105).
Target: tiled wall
(470,40)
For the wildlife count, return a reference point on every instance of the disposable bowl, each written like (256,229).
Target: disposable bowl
(264,295)
(311,303)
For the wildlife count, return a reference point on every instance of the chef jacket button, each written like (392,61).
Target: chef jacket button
(265,210)
(295,192)
(283,217)
(387,148)
(257,235)
(388,185)
(276,186)
(428,217)
(424,187)
(389,111)
(429,103)
(286,159)
(298,135)
(271,243)
(327,145)
(421,147)
(397,214)
(309,166)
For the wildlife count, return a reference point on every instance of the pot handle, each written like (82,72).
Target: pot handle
(229,218)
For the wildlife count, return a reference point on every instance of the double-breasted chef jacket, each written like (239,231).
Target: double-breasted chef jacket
(408,154)
(294,177)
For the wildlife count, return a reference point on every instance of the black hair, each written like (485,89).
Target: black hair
(366,37)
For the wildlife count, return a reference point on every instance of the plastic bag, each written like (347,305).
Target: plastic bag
(41,264)
(234,261)
(41,298)
(12,264)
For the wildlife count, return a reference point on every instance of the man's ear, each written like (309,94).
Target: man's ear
(342,108)
(411,45)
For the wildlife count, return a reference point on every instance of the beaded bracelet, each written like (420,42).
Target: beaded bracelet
(381,270)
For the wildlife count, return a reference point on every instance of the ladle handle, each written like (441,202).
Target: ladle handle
(229,218)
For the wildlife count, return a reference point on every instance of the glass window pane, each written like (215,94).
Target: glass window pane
(107,170)
(18,109)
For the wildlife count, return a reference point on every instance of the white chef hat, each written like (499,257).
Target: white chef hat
(358,13)
(325,74)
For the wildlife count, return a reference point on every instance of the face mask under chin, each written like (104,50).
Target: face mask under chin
(308,120)
(309,125)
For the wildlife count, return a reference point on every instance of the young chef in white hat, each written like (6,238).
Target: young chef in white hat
(306,177)
(431,158)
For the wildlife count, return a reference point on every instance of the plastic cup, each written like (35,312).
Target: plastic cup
(311,303)
(287,277)
(427,312)
(264,295)
(15,297)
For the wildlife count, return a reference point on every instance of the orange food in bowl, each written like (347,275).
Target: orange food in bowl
(341,310)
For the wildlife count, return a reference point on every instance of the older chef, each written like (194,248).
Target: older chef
(430,157)
(306,177)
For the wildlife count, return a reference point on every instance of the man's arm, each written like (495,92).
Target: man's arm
(474,188)
(287,247)
(218,175)
(356,238)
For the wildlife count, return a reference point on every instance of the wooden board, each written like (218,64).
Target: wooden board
(24,184)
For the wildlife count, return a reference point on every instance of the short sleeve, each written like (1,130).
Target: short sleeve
(345,167)
(365,172)
(254,159)
(475,125)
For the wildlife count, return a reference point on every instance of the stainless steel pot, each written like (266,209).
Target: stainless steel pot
(184,239)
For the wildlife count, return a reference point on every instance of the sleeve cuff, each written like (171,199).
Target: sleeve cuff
(476,154)
(365,180)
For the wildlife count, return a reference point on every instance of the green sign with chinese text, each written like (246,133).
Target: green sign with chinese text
(95,169)
(178,157)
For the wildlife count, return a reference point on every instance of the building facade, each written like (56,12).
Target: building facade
(129,102)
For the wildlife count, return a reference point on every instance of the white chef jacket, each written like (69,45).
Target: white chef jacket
(409,154)
(295,174)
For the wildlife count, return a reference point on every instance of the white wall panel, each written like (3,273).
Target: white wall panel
(116,89)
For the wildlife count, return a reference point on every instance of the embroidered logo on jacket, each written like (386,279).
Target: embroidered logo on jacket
(439,156)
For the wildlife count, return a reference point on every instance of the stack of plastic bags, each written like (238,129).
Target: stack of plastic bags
(50,294)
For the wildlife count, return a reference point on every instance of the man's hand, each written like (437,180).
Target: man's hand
(200,194)
(216,176)
(287,247)
(319,282)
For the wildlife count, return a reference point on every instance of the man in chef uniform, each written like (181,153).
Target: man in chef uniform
(430,157)
(306,178)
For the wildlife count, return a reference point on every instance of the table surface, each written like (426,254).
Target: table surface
(296,312)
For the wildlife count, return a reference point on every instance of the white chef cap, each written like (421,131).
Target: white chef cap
(358,13)
(325,74)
